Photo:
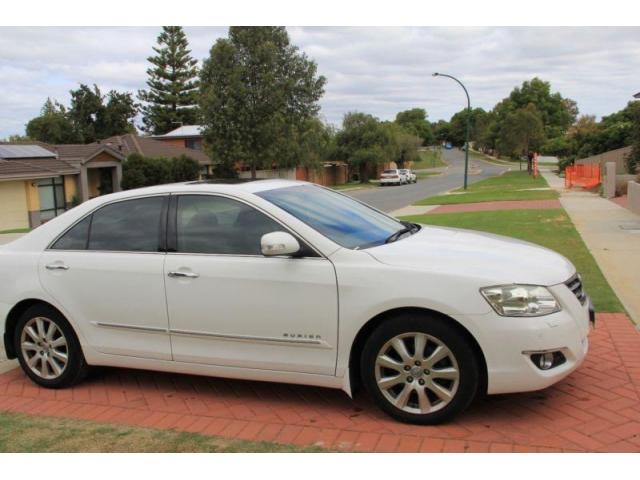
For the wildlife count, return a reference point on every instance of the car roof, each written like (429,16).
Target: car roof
(210,186)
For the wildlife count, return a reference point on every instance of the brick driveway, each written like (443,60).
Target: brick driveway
(595,409)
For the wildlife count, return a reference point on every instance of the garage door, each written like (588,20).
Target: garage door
(13,206)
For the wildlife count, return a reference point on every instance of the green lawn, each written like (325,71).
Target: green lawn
(428,159)
(509,186)
(550,228)
(426,174)
(16,230)
(23,433)
(353,185)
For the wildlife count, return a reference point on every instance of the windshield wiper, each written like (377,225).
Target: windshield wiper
(408,228)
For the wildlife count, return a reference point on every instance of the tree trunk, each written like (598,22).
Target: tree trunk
(364,173)
(253,171)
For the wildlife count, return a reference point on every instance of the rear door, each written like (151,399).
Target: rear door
(107,273)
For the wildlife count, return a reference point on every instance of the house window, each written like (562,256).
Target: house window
(51,194)
(193,143)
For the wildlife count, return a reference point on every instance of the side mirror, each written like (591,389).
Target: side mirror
(279,243)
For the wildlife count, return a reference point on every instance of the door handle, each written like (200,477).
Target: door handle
(183,274)
(56,266)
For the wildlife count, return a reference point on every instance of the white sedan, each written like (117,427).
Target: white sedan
(290,282)
(393,176)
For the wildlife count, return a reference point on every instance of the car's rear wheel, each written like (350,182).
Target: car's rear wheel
(420,369)
(48,349)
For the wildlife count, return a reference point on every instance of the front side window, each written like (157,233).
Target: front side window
(338,217)
(220,225)
(128,226)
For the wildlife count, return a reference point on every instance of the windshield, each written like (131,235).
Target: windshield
(347,222)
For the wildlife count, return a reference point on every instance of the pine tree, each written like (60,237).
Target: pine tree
(172,97)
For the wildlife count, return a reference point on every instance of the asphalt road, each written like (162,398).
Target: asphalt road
(394,197)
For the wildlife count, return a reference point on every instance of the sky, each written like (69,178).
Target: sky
(376,70)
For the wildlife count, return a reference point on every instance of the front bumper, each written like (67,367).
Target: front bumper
(508,343)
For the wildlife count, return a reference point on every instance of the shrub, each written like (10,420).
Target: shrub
(139,171)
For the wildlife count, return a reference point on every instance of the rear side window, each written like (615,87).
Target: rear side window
(128,226)
(76,238)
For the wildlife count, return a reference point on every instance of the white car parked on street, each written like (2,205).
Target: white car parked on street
(411,176)
(393,176)
(290,282)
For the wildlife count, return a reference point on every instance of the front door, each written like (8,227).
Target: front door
(107,274)
(231,306)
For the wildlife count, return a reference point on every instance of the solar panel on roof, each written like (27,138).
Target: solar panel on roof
(24,151)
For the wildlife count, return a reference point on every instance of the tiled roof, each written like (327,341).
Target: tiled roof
(149,147)
(78,153)
(35,167)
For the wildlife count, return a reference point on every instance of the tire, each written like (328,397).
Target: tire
(47,338)
(401,393)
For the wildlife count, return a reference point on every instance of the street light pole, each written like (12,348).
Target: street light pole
(466,136)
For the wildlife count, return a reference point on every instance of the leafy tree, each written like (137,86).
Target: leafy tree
(53,125)
(556,112)
(257,92)
(314,143)
(441,130)
(403,146)
(458,125)
(522,132)
(17,138)
(633,160)
(363,142)
(172,97)
(414,121)
(93,119)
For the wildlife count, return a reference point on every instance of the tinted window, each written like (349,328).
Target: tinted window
(76,238)
(338,217)
(129,226)
(210,224)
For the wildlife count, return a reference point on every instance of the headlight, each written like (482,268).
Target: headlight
(520,300)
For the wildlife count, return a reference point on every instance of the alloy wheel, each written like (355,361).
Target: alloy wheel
(44,348)
(417,373)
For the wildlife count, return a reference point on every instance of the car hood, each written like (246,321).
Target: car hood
(491,258)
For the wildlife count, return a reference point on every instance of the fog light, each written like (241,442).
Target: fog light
(547,360)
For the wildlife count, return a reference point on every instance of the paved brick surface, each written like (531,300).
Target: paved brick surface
(503,205)
(622,200)
(597,408)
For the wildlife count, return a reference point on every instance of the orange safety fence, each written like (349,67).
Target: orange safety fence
(587,176)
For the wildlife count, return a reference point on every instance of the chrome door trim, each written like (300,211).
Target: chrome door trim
(223,336)
(251,338)
(131,327)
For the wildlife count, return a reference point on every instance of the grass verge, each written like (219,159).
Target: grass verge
(550,228)
(353,186)
(428,159)
(509,186)
(15,230)
(24,433)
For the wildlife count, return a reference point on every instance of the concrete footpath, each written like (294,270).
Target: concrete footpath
(612,235)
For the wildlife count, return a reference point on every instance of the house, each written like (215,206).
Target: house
(39,181)
(187,136)
(152,147)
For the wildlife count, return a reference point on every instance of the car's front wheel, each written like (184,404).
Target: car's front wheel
(48,349)
(419,369)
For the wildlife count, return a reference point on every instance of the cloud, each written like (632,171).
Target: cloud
(379,70)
